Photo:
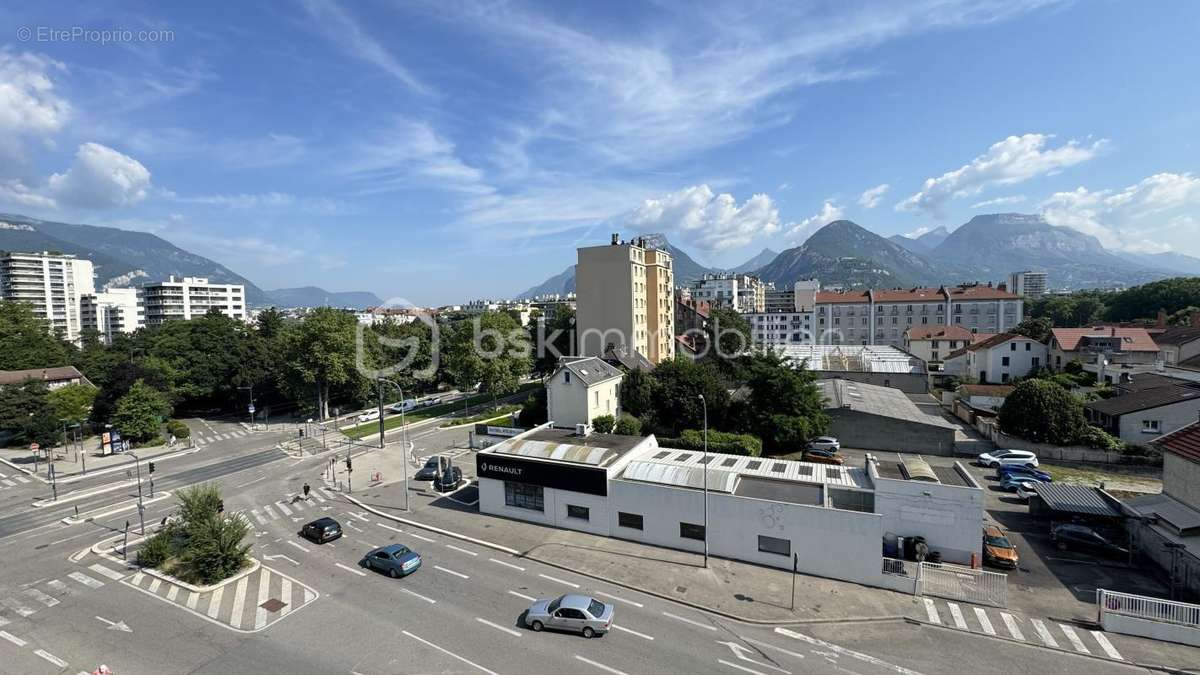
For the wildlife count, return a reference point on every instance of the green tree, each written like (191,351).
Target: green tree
(637,393)
(25,410)
(26,341)
(140,412)
(785,408)
(73,403)
(1035,328)
(552,339)
(679,385)
(320,356)
(490,349)
(628,425)
(1043,411)
(534,411)
(728,335)
(1144,301)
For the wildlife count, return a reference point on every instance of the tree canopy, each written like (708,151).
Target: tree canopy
(26,341)
(141,412)
(1043,411)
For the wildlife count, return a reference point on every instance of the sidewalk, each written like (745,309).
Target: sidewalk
(738,590)
(70,464)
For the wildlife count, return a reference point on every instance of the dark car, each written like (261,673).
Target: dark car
(322,530)
(429,471)
(1084,538)
(395,560)
(1023,471)
(448,480)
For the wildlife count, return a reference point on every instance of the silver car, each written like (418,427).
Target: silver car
(575,613)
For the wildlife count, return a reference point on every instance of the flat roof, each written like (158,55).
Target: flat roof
(854,358)
(875,400)
(563,445)
(1079,499)
(685,468)
(780,491)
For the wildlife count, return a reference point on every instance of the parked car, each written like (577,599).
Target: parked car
(574,613)
(447,480)
(1025,492)
(1024,472)
(429,471)
(999,458)
(395,560)
(998,551)
(824,443)
(1084,538)
(322,530)
(822,457)
(368,416)
(1014,482)
(403,406)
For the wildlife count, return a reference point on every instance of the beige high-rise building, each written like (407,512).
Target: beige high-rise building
(625,300)
(51,283)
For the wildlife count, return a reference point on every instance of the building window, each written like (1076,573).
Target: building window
(580,512)
(523,496)
(1037,361)
(1004,361)
(1028,346)
(774,545)
(631,520)
(567,377)
(1150,426)
(1012,346)
(691,531)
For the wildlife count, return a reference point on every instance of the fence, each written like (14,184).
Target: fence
(1148,617)
(946,581)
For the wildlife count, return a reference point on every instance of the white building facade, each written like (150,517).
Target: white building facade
(1005,357)
(882,316)
(582,389)
(1027,284)
(112,312)
(52,284)
(187,298)
(740,292)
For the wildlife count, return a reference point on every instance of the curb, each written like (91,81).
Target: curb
(656,594)
(23,470)
(254,565)
(84,494)
(89,516)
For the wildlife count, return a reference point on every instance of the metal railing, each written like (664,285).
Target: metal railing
(1145,607)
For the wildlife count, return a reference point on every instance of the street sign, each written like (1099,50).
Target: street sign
(251,408)
(34,447)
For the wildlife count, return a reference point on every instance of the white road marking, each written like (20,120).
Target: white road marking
(16,606)
(360,515)
(530,598)
(51,658)
(154,585)
(1043,633)
(956,614)
(283,508)
(214,602)
(634,632)
(271,514)
(319,498)
(264,591)
(351,569)
(285,594)
(12,638)
(460,550)
(498,627)
(1010,622)
(601,666)
(57,585)
(41,597)
(931,612)
(984,622)
(561,581)
(173,593)
(414,534)
(613,597)
(389,527)
(457,574)
(239,602)
(866,658)
(327,493)
(450,653)
(300,505)
(741,668)
(86,580)
(1073,637)
(506,564)
(298,546)
(21,479)
(101,569)
(137,578)
(1107,646)
(418,595)
(252,482)
(9,483)
(355,527)
(771,646)
(367,544)
(193,598)
(691,621)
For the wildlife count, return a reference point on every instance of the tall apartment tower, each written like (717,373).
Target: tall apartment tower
(191,297)
(625,300)
(117,310)
(51,283)
(1028,284)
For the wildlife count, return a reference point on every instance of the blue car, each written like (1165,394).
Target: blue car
(1023,471)
(1011,483)
(395,560)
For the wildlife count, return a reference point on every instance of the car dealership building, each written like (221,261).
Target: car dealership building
(833,519)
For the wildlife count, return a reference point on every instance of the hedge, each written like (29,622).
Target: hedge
(718,441)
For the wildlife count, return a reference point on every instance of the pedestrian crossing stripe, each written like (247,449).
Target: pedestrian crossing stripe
(86,580)
(101,569)
(1073,637)
(1044,633)
(984,622)
(8,482)
(284,509)
(1107,646)
(956,614)
(21,479)
(931,611)
(1012,624)
(41,597)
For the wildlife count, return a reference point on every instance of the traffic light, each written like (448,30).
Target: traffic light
(349,466)
(151,467)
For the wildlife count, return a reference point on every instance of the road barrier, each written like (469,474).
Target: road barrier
(1145,616)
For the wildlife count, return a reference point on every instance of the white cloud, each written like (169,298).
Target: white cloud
(1139,217)
(263,201)
(101,177)
(15,192)
(412,154)
(341,29)
(871,197)
(999,201)
(706,220)
(918,232)
(1013,160)
(28,102)
(829,212)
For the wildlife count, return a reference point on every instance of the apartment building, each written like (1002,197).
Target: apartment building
(881,317)
(1000,359)
(740,292)
(51,283)
(1027,284)
(1109,346)
(932,343)
(624,300)
(117,310)
(191,297)
(790,322)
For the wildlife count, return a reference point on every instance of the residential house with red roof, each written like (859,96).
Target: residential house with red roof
(999,359)
(1104,348)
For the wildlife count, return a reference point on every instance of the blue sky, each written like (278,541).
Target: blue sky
(444,151)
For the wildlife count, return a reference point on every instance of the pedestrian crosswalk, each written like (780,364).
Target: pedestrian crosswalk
(213,436)
(251,603)
(288,508)
(1025,629)
(15,480)
(28,600)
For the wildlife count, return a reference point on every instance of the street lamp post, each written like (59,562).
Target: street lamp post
(137,463)
(704,403)
(403,433)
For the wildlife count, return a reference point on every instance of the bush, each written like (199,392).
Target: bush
(628,425)
(533,412)
(1043,412)
(604,424)
(214,550)
(718,441)
(1095,437)
(178,429)
(156,550)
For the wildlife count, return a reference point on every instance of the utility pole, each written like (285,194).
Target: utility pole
(704,403)
(403,433)
(795,570)
(137,462)
(250,407)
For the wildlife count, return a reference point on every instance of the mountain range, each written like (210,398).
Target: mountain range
(127,258)
(312,296)
(986,248)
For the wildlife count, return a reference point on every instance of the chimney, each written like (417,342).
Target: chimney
(1162,319)
(615,238)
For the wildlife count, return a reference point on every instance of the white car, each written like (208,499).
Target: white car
(369,416)
(403,406)
(825,443)
(1000,458)
(1024,492)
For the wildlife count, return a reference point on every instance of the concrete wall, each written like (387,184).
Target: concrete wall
(857,429)
(949,517)
(491,500)
(1170,418)
(1181,479)
(1155,630)
(830,543)
(909,383)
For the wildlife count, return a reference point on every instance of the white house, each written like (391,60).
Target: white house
(1003,358)
(1141,416)
(581,390)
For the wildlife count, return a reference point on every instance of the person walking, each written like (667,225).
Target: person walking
(306,490)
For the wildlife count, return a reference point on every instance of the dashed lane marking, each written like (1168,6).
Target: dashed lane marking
(418,595)
(1010,622)
(85,580)
(507,564)
(613,597)
(634,632)
(460,550)
(691,621)
(414,534)
(561,581)
(866,658)
(1073,637)
(601,666)
(292,543)
(984,622)
(389,527)
(497,626)
(363,574)
(1107,646)
(744,669)
(931,612)
(12,638)
(367,544)
(449,653)
(457,574)
(530,598)
(1039,627)
(104,571)
(956,614)
(51,658)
